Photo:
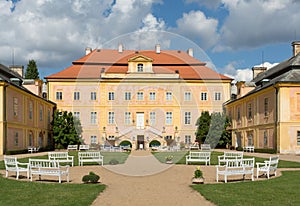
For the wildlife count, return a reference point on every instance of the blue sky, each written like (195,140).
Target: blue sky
(232,35)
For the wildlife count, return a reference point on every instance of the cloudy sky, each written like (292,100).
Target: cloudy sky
(234,35)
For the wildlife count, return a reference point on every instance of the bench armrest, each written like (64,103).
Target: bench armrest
(259,164)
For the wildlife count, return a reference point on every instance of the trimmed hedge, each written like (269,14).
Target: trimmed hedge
(90,178)
(264,150)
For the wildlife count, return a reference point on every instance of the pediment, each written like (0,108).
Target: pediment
(140,58)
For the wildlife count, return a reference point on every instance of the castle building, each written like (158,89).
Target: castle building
(25,116)
(266,112)
(138,96)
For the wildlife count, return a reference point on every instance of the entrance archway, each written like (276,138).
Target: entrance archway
(126,143)
(154,143)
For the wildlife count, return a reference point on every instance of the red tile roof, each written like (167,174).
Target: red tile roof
(167,61)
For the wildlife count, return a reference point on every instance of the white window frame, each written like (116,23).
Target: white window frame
(59,95)
(127,116)
(152,96)
(111,96)
(140,96)
(187,118)
(140,67)
(187,139)
(168,96)
(169,118)
(203,96)
(127,96)
(187,96)
(111,117)
(93,139)
(76,95)
(77,115)
(152,117)
(41,112)
(93,117)
(217,96)
(93,96)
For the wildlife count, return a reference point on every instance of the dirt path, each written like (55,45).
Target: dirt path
(163,185)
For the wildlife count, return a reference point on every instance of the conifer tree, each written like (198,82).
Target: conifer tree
(32,70)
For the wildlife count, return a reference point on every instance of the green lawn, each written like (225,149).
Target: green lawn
(20,193)
(283,190)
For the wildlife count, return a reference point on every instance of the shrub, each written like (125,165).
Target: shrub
(113,162)
(198,173)
(239,148)
(90,178)
(263,150)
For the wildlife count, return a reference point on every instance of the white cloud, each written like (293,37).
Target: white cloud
(199,28)
(252,23)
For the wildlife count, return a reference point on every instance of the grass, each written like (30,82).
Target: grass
(283,190)
(20,193)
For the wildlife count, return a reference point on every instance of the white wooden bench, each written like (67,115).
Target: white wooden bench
(89,157)
(198,157)
(72,147)
(248,149)
(268,166)
(236,167)
(12,165)
(194,147)
(229,156)
(61,157)
(205,147)
(33,149)
(48,167)
(84,147)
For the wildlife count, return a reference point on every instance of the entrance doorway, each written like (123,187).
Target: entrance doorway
(140,120)
(140,142)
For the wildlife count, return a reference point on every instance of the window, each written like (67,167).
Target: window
(169,96)
(16,140)
(187,118)
(140,68)
(187,96)
(93,96)
(249,111)
(169,117)
(217,96)
(76,95)
(41,112)
(187,139)
(152,118)
(140,96)
(111,137)
(298,137)
(250,140)
(77,115)
(59,95)
(266,107)
(15,106)
(152,96)
(265,138)
(93,139)
(93,117)
(238,114)
(127,95)
(127,118)
(168,137)
(30,110)
(111,117)
(111,96)
(203,96)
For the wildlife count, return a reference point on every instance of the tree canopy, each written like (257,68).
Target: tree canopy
(66,129)
(212,129)
(32,70)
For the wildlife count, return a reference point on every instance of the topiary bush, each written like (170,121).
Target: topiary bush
(90,178)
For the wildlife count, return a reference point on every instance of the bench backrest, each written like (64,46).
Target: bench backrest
(199,154)
(72,146)
(42,163)
(58,155)
(273,162)
(205,147)
(229,155)
(10,161)
(237,163)
(84,146)
(89,154)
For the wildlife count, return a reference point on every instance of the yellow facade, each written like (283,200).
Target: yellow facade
(139,106)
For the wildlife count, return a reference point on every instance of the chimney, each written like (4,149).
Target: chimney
(157,48)
(18,69)
(120,48)
(88,50)
(258,70)
(190,52)
(296,47)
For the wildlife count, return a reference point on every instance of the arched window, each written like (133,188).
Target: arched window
(140,68)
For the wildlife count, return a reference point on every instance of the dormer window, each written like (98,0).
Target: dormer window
(140,68)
